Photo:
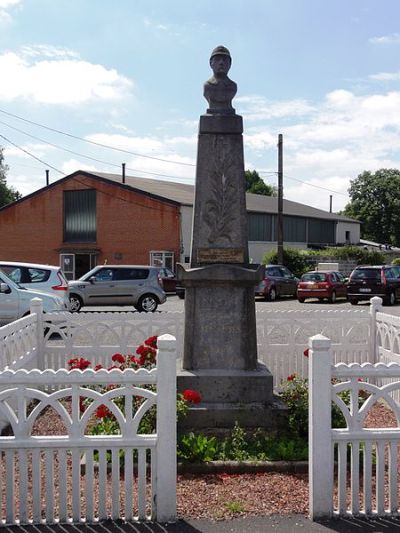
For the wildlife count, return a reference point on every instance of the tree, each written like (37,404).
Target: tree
(375,201)
(7,194)
(256,185)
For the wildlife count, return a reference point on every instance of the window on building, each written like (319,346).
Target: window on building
(347,237)
(321,231)
(80,216)
(260,227)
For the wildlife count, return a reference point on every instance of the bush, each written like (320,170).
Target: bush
(352,253)
(396,261)
(293,259)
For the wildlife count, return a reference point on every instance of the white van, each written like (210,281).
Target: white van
(15,300)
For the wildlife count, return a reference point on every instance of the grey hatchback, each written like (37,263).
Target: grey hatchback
(137,285)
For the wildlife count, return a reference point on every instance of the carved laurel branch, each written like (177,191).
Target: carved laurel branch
(221,206)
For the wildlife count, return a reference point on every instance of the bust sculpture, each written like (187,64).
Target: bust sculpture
(219,90)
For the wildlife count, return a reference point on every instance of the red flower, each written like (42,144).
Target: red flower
(78,362)
(134,360)
(151,341)
(98,367)
(81,404)
(102,411)
(291,377)
(140,349)
(118,358)
(192,396)
(306,352)
(112,367)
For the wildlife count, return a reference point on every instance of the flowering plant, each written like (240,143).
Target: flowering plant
(145,357)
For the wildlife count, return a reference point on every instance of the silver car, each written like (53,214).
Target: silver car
(45,278)
(137,285)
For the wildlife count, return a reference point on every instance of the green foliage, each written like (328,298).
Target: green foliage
(352,253)
(294,260)
(235,507)
(197,448)
(256,185)
(7,194)
(241,446)
(396,261)
(295,394)
(375,201)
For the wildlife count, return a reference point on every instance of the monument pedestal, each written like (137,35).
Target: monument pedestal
(220,341)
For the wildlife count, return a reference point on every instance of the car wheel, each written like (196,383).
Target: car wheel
(332,298)
(353,301)
(147,303)
(272,296)
(301,300)
(391,299)
(75,303)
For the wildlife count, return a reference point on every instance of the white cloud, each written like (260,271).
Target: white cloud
(385,76)
(60,78)
(392,38)
(255,107)
(5,7)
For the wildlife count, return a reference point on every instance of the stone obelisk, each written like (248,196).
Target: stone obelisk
(220,342)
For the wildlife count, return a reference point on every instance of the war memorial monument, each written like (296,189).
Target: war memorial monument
(220,339)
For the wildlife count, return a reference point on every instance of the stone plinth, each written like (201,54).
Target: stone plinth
(220,322)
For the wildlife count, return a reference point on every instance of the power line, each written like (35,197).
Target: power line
(58,147)
(95,143)
(309,184)
(32,155)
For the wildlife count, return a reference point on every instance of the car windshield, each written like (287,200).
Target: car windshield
(314,276)
(366,274)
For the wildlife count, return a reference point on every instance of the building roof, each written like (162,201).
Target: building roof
(184,194)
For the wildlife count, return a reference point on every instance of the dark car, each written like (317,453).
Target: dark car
(368,281)
(168,279)
(278,281)
(328,285)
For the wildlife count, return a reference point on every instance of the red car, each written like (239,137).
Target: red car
(321,285)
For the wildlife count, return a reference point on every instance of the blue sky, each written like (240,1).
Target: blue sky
(128,74)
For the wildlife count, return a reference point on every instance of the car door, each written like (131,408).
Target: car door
(288,282)
(9,304)
(341,284)
(168,279)
(392,280)
(102,288)
(130,284)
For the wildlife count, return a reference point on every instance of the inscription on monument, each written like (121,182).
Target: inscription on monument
(220,255)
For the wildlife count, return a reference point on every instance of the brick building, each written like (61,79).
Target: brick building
(84,219)
(89,218)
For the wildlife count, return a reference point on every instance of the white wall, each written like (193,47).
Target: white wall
(341,229)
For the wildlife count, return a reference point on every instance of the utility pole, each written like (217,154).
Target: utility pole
(280,199)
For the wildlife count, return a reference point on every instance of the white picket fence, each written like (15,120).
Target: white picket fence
(363,463)
(282,337)
(41,479)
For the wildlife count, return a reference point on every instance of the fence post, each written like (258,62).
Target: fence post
(320,456)
(36,308)
(376,305)
(165,504)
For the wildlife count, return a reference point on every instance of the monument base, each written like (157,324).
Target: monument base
(229,397)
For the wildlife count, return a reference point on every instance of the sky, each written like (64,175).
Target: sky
(92,84)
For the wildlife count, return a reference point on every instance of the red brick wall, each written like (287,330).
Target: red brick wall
(128,223)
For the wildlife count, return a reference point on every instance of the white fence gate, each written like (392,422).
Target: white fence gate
(363,462)
(41,479)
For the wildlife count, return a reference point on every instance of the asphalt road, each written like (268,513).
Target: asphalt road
(174,303)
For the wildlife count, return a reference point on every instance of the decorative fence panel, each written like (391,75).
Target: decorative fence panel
(361,462)
(42,479)
(97,336)
(18,343)
(282,337)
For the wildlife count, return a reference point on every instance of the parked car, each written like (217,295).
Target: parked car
(137,285)
(168,279)
(46,278)
(328,285)
(15,300)
(278,281)
(368,281)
